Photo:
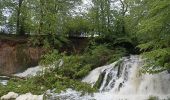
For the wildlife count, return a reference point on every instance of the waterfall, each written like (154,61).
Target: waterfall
(122,80)
(128,82)
(116,74)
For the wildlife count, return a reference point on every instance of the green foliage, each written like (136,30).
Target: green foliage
(153,33)
(78,66)
(36,16)
(49,58)
(117,54)
(98,56)
(158,60)
(77,26)
(153,98)
(84,71)
(73,67)
(48,41)
(52,80)
(22,87)
(40,84)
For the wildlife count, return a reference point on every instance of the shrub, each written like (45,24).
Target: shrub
(153,98)
(78,66)
(118,53)
(50,58)
(73,67)
(40,84)
(98,56)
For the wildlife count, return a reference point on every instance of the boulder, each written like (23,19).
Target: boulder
(9,96)
(29,96)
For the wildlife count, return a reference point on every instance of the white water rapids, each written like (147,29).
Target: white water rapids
(121,80)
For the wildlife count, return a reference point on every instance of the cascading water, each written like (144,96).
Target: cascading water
(122,81)
(3,80)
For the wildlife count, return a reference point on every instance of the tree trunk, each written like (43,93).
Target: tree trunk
(124,10)
(18,24)
(41,17)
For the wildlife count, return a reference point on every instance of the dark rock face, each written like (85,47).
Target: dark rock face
(15,57)
(169,71)
(76,45)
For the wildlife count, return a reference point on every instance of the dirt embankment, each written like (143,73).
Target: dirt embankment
(16,55)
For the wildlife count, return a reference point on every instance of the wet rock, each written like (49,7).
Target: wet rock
(29,96)
(169,71)
(9,96)
(100,80)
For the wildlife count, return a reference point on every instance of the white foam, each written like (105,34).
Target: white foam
(30,72)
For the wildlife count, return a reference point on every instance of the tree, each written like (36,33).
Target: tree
(1,13)
(77,26)
(108,21)
(101,15)
(49,20)
(18,15)
(3,18)
(153,34)
(19,28)
(49,16)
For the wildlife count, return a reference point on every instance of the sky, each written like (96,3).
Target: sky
(83,8)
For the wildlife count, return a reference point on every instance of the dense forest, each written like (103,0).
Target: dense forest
(114,29)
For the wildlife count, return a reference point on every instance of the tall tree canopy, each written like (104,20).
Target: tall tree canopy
(145,23)
(154,34)
(38,16)
(149,21)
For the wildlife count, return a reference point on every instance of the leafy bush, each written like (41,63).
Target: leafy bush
(83,72)
(101,55)
(118,53)
(73,67)
(40,84)
(23,86)
(78,66)
(153,98)
(48,41)
(98,56)
(50,58)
